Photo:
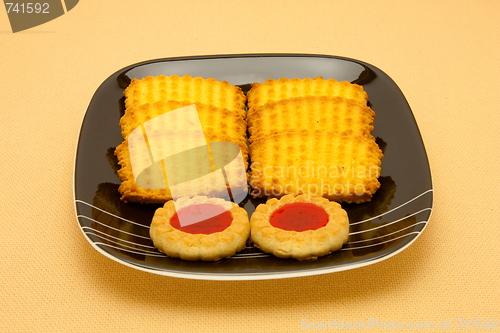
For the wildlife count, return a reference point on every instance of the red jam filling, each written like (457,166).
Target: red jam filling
(299,216)
(202,218)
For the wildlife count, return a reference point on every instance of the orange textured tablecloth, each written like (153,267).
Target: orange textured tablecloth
(444,56)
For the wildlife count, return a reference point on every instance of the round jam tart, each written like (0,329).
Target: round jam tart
(200,228)
(301,227)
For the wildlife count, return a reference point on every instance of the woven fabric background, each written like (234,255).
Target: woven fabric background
(444,56)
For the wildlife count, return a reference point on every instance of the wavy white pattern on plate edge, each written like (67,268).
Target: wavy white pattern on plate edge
(148,250)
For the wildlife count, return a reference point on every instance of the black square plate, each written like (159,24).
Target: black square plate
(396,216)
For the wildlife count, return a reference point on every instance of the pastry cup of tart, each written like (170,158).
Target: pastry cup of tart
(301,227)
(200,228)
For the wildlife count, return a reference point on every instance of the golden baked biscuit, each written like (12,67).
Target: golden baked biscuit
(163,88)
(301,227)
(152,184)
(274,90)
(311,112)
(212,119)
(200,228)
(183,136)
(338,166)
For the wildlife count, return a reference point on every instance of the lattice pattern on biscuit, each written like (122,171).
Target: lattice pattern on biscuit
(312,136)
(336,166)
(212,184)
(184,88)
(274,90)
(315,113)
(213,119)
(183,136)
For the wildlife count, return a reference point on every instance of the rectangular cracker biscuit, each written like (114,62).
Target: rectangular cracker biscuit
(152,185)
(163,88)
(274,90)
(171,147)
(336,166)
(212,119)
(336,114)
